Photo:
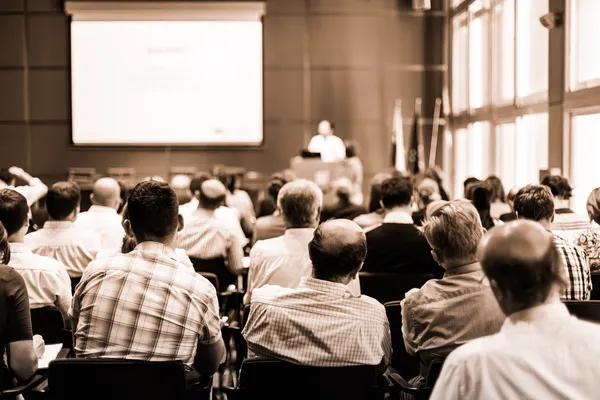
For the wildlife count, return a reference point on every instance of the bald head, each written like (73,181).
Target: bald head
(212,194)
(181,186)
(106,192)
(337,250)
(522,263)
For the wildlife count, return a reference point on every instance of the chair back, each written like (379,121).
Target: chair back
(405,364)
(215,266)
(213,279)
(48,322)
(595,285)
(587,309)
(80,378)
(386,287)
(74,283)
(270,379)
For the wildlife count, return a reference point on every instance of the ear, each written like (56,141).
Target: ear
(500,297)
(127,226)
(180,223)
(92,197)
(437,257)
(381,204)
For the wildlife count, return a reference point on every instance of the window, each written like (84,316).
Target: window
(471,154)
(585,142)
(460,65)
(505,144)
(532,48)
(503,47)
(478,55)
(460,161)
(531,152)
(584,34)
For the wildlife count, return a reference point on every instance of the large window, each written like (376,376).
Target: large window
(532,48)
(584,42)
(478,55)
(503,69)
(460,69)
(471,154)
(505,145)
(585,142)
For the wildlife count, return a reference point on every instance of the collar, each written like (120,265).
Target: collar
(102,209)
(398,217)
(4,185)
(463,269)
(300,233)
(337,289)
(535,314)
(156,248)
(16,248)
(58,224)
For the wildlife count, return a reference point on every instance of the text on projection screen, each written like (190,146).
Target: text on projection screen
(170,82)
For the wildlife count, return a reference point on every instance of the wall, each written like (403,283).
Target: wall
(344,60)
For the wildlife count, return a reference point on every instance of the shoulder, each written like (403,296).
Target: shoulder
(476,351)
(372,303)
(47,263)
(266,245)
(270,294)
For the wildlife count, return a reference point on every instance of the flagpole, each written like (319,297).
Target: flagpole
(435,132)
(420,148)
(398,138)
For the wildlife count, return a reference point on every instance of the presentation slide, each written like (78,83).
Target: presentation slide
(167,83)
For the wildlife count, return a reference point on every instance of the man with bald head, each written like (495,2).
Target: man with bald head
(345,329)
(541,352)
(209,238)
(102,216)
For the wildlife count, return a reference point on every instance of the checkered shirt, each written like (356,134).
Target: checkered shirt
(318,324)
(144,305)
(577,270)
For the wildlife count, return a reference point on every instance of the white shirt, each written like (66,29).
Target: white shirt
(47,281)
(283,261)
(540,353)
(67,243)
(319,324)
(32,192)
(228,215)
(106,222)
(331,147)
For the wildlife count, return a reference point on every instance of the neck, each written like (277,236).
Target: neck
(545,223)
(70,218)
(17,238)
(405,209)
(344,280)
(553,298)
(168,241)
(561,203)
(451,265)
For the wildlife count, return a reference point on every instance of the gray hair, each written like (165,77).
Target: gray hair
(300,202)
(453,229)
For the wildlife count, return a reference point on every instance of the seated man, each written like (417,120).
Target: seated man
(159,309)
(47,281)
(376,211)
(541,352)
(33,191)
(60,238)
(321,323)
(102,216)
(207,237)
(566,223)
(446,313)
(343,208)
(272,225)
(284,261)
(397,246)
(536,203)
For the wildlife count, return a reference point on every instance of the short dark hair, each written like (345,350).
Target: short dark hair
(153,210)
(13,210)
(396,191)
(340,260)
(534,202)
(273,188)
(62,199)
(497,188)
(351,149)
(6,176)
(4,246)
(198,180)
(559,186)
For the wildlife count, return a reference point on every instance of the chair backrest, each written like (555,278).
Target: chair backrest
(261,378)
(213,279)
(435,369)
(386,287)
(588,309)
(77,378)
(596,285)
(215,266)
(405,364)
(48,322)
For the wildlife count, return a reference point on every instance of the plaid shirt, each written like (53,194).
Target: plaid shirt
(577,270)
(318,324)
(144,305)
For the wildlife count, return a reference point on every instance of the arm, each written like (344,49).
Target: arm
(35,188)
(63,294)
(235,255)
(411,347)
(210,352)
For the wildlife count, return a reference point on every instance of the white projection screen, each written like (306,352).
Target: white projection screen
(176,74)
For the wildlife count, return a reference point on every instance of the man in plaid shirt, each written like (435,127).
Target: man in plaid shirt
(145,305)
(535,202)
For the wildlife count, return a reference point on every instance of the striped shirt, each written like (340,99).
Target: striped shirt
(67,243)
(144,305)
(577,271)
(318,324)
(569,225)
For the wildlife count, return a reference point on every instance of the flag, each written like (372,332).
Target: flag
(398,161)
(416,151)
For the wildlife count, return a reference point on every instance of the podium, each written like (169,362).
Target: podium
(322,173)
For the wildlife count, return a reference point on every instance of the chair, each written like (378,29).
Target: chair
(49,322)
(213,279)
(386,287)
(402,362)
(77,378)
(215,266)
(21,389)
(424,391)
(596,286)
(587,309)
(274,379)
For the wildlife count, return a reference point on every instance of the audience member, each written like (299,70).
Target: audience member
(376,210)
(194,188)
(321,323)
(449,312)
(566,224)
(268,203)
(480,194)
(355,167)
(163,310)
(541,352)
(436,174)
(589,240)
(426,192)
(60,238)
(510,199)
(47,281)
(238,200)
(536,203)
(17,351)
(343,208)
(209,238)
(32,191)
(284,261)
(102,217)
(272,225)
(397,245)
(468,182)
(181,185)
(499,205)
